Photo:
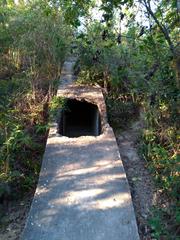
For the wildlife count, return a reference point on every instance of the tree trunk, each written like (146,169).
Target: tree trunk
(174,49)
(176,64)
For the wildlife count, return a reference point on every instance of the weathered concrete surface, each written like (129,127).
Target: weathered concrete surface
(83,193)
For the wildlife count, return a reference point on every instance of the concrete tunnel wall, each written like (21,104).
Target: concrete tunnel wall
(79,118)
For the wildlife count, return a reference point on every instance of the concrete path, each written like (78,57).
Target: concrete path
(83,193)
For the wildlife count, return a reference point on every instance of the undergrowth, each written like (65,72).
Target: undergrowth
(22,139)
(159,147)
(122,111)
(34,44)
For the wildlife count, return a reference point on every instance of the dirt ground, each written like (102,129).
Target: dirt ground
(141,185)
(14,219)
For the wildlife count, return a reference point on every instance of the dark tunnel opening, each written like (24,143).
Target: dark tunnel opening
(79,118)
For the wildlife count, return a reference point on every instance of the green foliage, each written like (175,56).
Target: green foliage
(96,61)
(34,41)
(20,151)
(44,38)
(159,146)
(121,112)
(56,104)
(74,10)
(158,223)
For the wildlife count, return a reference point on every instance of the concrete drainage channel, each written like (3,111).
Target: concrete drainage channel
(82,193)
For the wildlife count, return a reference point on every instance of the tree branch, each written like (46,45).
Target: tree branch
(163,29)
(152,71)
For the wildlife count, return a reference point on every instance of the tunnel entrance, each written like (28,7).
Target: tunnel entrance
(79,118)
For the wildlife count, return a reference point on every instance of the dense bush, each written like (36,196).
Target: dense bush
(35,41)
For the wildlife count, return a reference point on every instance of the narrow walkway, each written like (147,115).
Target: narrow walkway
(83,193)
